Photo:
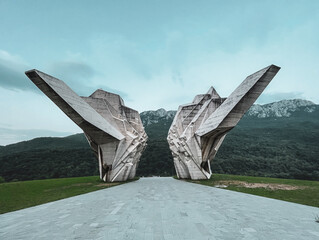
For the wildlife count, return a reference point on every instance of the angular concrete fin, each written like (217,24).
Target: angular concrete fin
(111,97)
(212,91)
(73,106)
(228,114)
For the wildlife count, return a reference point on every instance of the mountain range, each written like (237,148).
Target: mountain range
(279,139)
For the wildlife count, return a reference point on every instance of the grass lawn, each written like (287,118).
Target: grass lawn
(18,195)
(291,190)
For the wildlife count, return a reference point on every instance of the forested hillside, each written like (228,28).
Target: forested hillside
(157,159)
(43,158)
(271,147)
(276,140)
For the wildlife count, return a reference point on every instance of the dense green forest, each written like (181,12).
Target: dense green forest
(43,158)
(282,148)
(157,158)
(285,147)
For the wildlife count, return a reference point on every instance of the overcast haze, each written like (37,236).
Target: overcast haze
(155,54)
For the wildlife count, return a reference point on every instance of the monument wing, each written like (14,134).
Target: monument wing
(200,127)
(239,101)
(78,110)
(113,130)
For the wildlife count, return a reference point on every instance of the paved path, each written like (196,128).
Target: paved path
(162,208)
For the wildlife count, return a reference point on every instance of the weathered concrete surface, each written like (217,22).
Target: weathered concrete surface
(200,127)
(163,208)
(114,131)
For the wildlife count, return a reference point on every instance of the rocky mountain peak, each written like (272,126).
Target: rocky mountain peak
(150,117)
(283,108)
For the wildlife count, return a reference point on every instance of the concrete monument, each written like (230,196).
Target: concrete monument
(114,131)
(200,127)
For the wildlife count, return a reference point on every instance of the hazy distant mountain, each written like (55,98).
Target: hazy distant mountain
(8,135)
(279,139)
(283,108)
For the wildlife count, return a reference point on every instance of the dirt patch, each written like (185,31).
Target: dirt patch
(106,184)
(80,184)
(66,187)
(270,186)
(77,185)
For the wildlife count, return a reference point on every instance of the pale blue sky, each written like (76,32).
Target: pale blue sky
(155,54)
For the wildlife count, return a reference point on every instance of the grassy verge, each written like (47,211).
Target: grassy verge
(18,195)
(291,190)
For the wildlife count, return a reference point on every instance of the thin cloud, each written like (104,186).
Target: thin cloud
(12,75)
(80,77)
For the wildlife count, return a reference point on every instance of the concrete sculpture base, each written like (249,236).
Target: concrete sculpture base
(200,127)
(114,131)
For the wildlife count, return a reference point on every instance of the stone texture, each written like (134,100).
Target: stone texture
(163,208)
(114,131)
(200,127)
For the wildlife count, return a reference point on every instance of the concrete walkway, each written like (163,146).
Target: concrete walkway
(162,208)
